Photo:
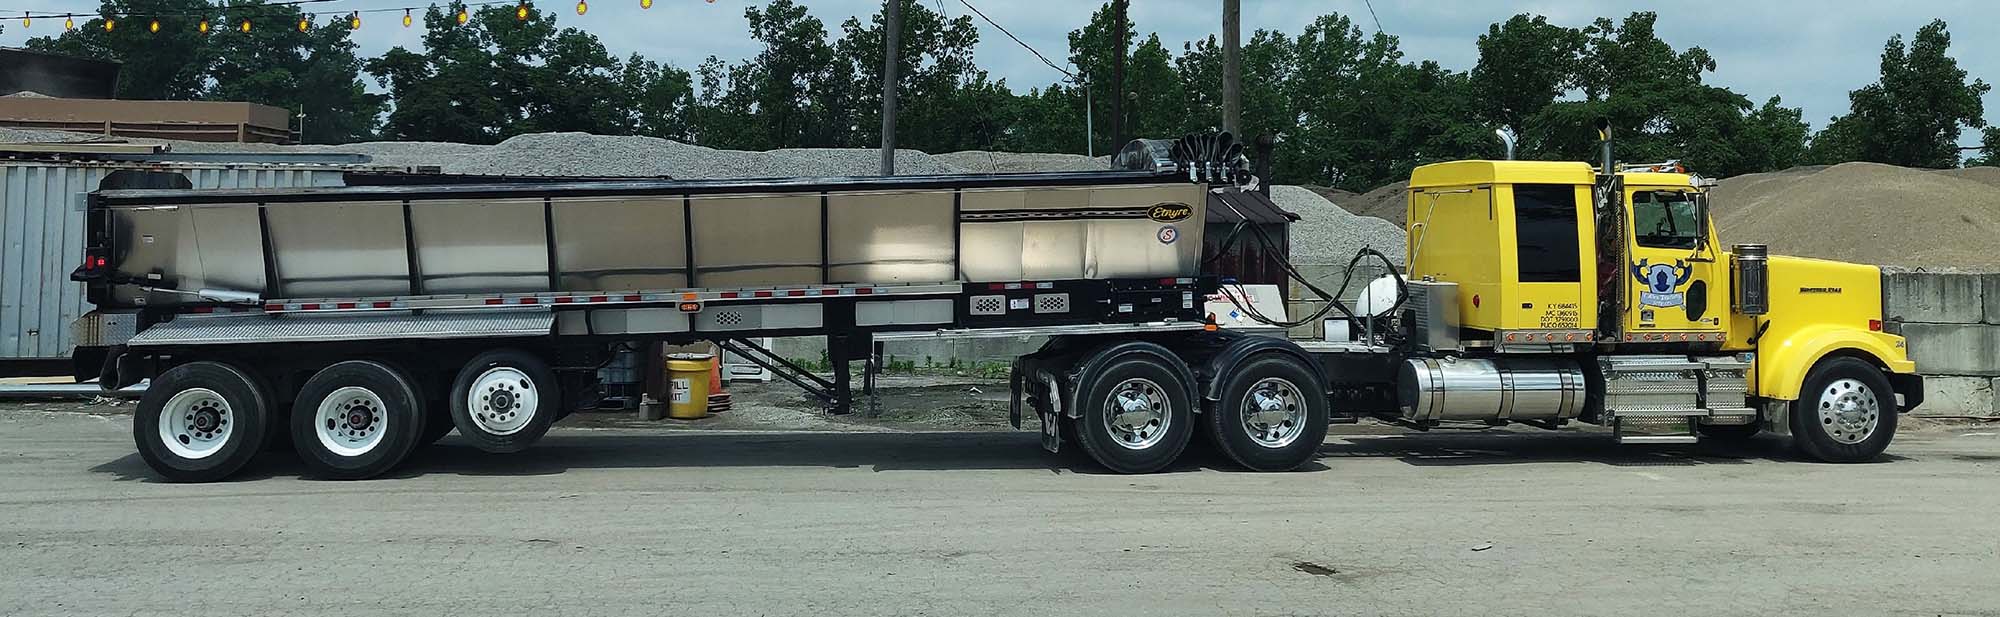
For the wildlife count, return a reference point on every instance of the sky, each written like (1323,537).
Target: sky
(1809,52)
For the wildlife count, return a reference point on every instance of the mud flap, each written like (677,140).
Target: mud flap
(1014,395)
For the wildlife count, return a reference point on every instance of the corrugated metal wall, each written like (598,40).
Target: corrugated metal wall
(41,239)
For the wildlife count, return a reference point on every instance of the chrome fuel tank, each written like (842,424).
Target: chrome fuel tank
(1478,390)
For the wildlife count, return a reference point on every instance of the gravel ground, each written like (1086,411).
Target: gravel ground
(644,522)
(1326,234)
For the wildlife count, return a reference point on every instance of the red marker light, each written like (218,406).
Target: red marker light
(1874,325)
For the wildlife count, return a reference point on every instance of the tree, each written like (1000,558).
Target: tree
(1525,65)
(661,96)
(1989,149)
(945,102)
(1914,114)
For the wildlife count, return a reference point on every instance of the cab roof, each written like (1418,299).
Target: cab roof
(1470,173)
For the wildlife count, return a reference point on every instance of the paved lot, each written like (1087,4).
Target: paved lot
(644,522)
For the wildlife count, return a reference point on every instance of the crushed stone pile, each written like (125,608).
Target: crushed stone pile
(984,162)
(1328,235)
(1385,202)
(1867,213)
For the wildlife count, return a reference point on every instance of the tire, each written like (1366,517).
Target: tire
(1272,415)
(201,422)
(504,400)
(1846,412)
(1142,384)
(356,419)
(1729,433)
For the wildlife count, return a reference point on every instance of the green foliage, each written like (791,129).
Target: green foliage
(1913,115)
(1348,108)
(1989,149)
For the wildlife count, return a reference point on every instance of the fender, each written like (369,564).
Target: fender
(1243,349)
(1782,363)
(1096,361)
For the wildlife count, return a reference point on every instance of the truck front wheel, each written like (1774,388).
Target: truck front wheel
(1137,416)
(1271,416)
(356,419)
(1846,412)
(201,422)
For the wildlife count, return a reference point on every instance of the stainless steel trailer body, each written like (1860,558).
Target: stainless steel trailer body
(367,320)
(42,205)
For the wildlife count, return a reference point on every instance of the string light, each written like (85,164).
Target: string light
(406,18)
(645,4)
(68,24)
(24,20)
(303,22)
(582,7)
(109,24)
(521,12)
(246,25)
(153,27)
(203,27)
(354,20)
(463,17)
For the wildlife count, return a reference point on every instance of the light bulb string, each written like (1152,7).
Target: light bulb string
(225,10)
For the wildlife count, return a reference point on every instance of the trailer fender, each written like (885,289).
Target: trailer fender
(1782,364)
(1096,361)
(1216,370)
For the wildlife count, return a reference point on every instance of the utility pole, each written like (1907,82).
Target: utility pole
(1119,24)
(893,29)
(1232,67)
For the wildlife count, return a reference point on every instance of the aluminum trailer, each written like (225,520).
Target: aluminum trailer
(362,322)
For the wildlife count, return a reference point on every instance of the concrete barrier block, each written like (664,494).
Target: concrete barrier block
(1957,396)
(1933,297)
(1955,349)
(1989,287)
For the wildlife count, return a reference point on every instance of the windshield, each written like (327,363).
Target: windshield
(1666,219)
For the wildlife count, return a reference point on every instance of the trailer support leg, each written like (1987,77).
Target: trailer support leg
(837,353)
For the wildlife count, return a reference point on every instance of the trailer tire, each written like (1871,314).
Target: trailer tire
(1137,415)
(201,422)
(1272,415)
(356,419)
(1845,413)
(516,399)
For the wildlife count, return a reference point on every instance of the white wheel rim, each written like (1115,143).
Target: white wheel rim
(1135,414)
(1849,411)
(351,421)
(1273,414)
(196,422)
(502,400)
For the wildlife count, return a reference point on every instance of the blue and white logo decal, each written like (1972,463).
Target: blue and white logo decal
(1660,283)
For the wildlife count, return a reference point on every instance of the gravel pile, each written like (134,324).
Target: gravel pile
(1326,234)
(1386,202)
(984,162)
(20,136)
(1867,213)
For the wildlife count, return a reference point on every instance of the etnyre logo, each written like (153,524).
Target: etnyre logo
(1170,212)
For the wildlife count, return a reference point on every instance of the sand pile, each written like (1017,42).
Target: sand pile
(1867,213)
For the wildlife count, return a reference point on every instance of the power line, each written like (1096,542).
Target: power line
(1371,15)
(1023,44)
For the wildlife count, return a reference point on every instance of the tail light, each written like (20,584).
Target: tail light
(1874,325)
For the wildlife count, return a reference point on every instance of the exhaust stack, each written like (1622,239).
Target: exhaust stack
(1507,138)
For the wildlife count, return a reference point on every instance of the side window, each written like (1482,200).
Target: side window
(1665,220)
(1545,233)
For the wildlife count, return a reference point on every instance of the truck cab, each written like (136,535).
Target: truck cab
(1621,276)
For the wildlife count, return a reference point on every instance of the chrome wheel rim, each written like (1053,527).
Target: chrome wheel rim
(502,400)
(351,421)
(1135,414)
(195,423)
(1849,411)
(1272,413)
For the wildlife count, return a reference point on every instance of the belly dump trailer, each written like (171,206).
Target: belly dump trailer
(363,322)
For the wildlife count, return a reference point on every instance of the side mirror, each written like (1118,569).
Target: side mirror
(1702,222)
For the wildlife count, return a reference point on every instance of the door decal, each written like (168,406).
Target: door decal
(1662,282)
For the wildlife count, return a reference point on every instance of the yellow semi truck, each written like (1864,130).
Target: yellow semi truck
(367,321)
(1553,271)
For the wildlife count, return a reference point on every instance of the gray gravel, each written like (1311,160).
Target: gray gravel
(1327,234)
